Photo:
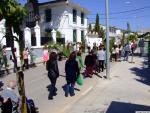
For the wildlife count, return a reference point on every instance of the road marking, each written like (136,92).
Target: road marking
(84,93)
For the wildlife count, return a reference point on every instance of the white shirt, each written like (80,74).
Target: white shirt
(117,50)
(100,55)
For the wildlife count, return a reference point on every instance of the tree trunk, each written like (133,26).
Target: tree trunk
(10,36)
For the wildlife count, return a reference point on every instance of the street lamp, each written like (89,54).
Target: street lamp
(107,43)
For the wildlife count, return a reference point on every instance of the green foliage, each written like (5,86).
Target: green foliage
(90,28)
(97,27)
(63,49)
(147,37)
(111,42)
(101,33)
(123,39)
(132,37)
(128,27)
(14,15)
(13,12)
(58,34)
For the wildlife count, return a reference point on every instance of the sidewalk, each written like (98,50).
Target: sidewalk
(128,91)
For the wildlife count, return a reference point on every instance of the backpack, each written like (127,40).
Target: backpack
(31,106)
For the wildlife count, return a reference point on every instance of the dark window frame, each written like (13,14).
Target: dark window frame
(33,39)
(82,35)
(74,35)
(82,18)
(74,13)
(48,15)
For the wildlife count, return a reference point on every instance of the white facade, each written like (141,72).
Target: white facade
(2,32)
(113,32)
(62,19)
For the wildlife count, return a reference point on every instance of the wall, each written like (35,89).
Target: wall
(92,40)
(2,32)
(62,21)
(78,26)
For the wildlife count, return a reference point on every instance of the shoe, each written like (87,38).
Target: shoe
(66,95)
(50,98)
(72,95)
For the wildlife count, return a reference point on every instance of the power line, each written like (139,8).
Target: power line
(118,18)
(127,11)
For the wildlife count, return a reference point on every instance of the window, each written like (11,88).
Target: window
(82,36)
(45,40)
(82,18)
(74,15)
(48,15)
(48,36)
(74,35)
(33,39)
(30,16)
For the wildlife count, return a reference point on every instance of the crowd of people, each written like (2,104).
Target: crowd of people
(94,63)
(74,66)
(119,51)
(24,58)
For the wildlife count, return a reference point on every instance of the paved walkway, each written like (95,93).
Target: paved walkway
(36,82)
(128,91)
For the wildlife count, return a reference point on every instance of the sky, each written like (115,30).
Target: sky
(136,12)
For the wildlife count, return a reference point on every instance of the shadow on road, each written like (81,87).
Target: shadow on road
(143,73)
(121,107)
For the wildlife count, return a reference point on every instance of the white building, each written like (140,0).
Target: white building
(68,18)
(113,32)
(64,16)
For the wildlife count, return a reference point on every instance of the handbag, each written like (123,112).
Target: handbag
(51,74)
(80,80)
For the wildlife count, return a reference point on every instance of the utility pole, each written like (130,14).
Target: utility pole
(107,43)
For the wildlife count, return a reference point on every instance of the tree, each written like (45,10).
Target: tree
(128,27)
(111,43)
(132,37)
(97,27)
(101,33)
(35,9)
(123,38)
(13,13)
(58,34)
(90,28)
